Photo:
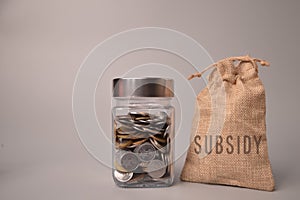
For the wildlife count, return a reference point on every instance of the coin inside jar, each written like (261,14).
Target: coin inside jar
(122,176)
(129,161)
(156,168)
(145,152)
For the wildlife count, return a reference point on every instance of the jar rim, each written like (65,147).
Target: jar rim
(143,87)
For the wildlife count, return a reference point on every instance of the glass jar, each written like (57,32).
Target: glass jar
(143,132)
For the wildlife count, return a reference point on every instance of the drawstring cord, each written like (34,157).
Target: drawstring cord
(237,58)
(199,74)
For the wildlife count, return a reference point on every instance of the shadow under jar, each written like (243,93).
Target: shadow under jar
(143,132)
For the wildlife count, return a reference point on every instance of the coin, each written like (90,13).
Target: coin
(163,157)
(138,114)
(122,118)
(124,129)
(156,168)
(145,152)
(126,122)
(137,143)
(121,132)
(138,128)
(162,116)
(119,167)
(123,176)
(159,139)
(129,161)
(144,122)
(159,124)
(142,118)
(151,131)
(164,149)
(125,136)
(137,177)
(166,133)
(123,144)
(140,135)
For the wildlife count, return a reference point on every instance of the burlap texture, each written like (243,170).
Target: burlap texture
(245,111)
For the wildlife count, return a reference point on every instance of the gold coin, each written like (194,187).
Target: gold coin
(123,145)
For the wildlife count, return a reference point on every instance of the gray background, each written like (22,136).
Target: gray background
(42,44)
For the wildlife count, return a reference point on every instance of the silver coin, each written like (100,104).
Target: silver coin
(125,128)
(163,157)
(142,122)
(156,168)
(122,117)
(121,132)
(129,161)
(160,129)
(138,128)
(134,113)
(155,143)
(163,149)
(155,119)
(145,152)
(151,131)
(167,131)
(126,122)
(137,143)
(162,116)
(159,124)
(123,176)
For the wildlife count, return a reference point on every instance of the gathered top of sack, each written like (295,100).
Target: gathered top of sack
(233,68)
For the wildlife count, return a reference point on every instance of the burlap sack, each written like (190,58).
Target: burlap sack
(235,154)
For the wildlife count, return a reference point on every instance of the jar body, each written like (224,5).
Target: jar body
(143,142)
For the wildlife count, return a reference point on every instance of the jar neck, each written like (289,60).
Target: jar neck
(136,101)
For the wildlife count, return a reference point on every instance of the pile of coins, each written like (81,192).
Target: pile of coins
(142,146)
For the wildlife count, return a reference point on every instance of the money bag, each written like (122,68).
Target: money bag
(228,138)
